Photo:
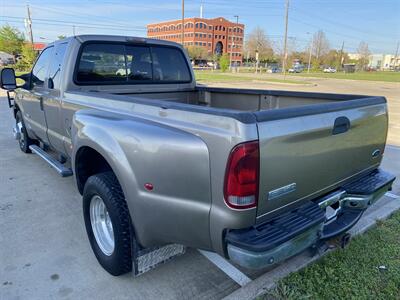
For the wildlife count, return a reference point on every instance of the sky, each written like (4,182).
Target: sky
(376,22)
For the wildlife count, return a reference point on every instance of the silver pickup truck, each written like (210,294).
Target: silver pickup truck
(254,175)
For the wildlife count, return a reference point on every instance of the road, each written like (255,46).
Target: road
(44,251)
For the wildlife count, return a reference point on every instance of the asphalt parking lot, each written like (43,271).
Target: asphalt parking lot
(44,251)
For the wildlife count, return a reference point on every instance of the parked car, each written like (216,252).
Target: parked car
(329,70)
(296,69)
(274,70)
(162,163)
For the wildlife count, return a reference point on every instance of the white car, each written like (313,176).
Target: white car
(329,70)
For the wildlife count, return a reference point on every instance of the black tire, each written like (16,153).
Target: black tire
(24,141)
(108,188)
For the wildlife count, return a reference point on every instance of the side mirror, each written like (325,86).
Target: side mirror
(50,83)
(8,80)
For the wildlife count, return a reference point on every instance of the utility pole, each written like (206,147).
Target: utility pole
(341,56)
(73,30)
(285,41)
(29,23)
(183,21)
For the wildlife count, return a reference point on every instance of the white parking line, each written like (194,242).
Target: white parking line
(230,270)
(392,195)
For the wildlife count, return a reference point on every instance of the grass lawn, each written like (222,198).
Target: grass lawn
(351,273)
(373,76)
(209,76)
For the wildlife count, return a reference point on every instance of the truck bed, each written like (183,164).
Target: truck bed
(261,105)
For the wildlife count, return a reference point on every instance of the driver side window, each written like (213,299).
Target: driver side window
(39,71)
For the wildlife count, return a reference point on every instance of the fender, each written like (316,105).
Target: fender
(175,162)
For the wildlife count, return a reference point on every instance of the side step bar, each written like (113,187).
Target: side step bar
(59,167)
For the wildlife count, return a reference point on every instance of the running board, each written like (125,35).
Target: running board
(59,167)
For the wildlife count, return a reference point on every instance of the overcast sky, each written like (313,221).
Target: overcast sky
(376,22)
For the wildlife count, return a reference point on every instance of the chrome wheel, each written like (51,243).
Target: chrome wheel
(102,225)
(20,134)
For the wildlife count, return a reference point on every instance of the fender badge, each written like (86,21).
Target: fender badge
(282,191)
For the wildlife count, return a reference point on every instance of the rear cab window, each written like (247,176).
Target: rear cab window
(112,63)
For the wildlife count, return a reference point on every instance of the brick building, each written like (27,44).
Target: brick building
(217,35)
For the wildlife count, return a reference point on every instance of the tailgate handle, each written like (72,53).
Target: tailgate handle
(342,124)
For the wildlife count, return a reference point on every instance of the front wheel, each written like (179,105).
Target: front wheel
(24,140)
(108,223)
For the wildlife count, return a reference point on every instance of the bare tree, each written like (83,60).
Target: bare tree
(320,44)
(363,53)
(258,41)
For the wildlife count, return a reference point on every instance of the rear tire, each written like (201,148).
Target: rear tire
(24,140)
(104,203)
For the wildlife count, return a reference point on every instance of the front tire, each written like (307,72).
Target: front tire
(108,223)
(24,140)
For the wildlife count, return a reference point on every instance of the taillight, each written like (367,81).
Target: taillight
(242,176)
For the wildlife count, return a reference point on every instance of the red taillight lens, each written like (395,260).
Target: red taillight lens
(241,177)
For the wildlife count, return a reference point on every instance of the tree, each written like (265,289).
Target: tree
(224,62)
(363,53)
(196,52)
(257,40)
(28,57)
(61,37)
(11,40)
(320,46)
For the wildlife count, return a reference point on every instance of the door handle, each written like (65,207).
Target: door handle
(41,102)
(341,125)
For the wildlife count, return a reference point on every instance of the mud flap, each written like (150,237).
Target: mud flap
(144,260)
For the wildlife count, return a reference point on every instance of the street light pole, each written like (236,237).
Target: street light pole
(233,43)
(309,57)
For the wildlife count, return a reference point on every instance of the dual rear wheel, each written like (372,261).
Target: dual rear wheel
(107,222)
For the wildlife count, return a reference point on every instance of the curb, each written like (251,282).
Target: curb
(387,206)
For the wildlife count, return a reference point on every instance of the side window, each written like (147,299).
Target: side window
(102,63)
(56,64)
(39,71)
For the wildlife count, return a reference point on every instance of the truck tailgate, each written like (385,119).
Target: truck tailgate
(306,155)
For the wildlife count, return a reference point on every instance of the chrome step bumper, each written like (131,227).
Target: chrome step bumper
(290,233)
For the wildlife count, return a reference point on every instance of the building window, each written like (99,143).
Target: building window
(197,25)
(223,37)
(210,27)
(209,36)
(197,35)
(209,44)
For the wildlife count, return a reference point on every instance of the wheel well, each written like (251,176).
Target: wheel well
(87,163)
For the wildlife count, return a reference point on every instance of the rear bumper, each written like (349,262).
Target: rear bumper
(271,242)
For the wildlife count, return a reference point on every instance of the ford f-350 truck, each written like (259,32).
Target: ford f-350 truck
(162,163)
